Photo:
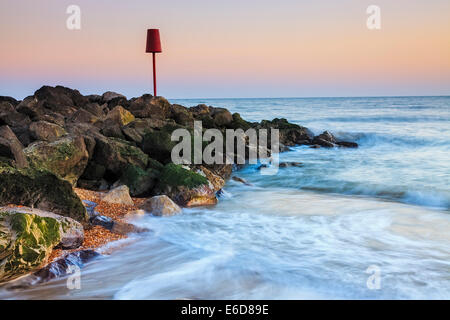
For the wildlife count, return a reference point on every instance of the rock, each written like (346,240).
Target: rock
(123,228)
(158,144)
(116,154)
(10,100)
(222,170)
(120,116)
(60,267)
(135,213)
(71,231)
(119,195)
(185,187)
(102,221)
(66,157)
(109,95)
(131,134)
(325,139)
(216,181)
(118,227)
(243,181)
(6,107)
(83,116)
(40,189)
(10,147)
(239,123)
(347,144)
(46,131)
(290,164)
(290,134)
(97,110)
(59,99)
(139,181)
(14,119)
(112,129)
(161,206)
(221,116)
(26,241)
(148,106)
(181,115)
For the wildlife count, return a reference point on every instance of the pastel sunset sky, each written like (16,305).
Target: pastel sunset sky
(228,48)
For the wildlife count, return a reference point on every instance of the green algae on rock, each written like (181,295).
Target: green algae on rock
(26,241)
(40,189)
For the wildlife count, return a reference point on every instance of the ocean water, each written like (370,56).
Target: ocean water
(313,232)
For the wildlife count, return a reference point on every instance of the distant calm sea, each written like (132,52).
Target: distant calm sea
(309,232)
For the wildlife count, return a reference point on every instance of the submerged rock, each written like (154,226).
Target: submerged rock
(328,140)
(119,195)
(243,181)
(290,164)
(161,206)
(40,189)
(26,241)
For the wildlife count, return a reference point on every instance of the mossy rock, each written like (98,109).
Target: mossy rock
(40,189)
(66,157)
(174,175)
(115,154)
(238,123)
(187,188)
(26,241)
(139,181)
(158,144)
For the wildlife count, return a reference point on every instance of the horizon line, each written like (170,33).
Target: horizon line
(318,97)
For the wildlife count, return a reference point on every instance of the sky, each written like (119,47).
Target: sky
(228,49)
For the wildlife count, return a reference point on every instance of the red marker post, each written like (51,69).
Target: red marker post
(153,46)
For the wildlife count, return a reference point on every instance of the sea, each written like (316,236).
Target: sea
(365,223)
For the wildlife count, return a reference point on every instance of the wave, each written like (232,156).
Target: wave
(377,139)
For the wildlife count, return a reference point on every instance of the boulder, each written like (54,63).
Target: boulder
(11,100)
(46,131)
(158,144)
(139,181)
(116,154)
(66,157)
(71,231)
(10,147)
(59,99)
(161,206)
(6,107)
(40,189)
(325,139)
(109,95)
(120,116)
(119,195)
(181,115)
(148,106)
(215,180)
(185,187)
(221,116)
(290,134)
(26,241)
(84,116)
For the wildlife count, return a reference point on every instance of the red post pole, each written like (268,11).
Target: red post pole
(154,75)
